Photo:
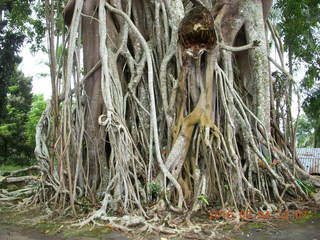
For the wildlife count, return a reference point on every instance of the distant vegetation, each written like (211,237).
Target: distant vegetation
(19,108)
(17,128)
(298,24)
(305,133)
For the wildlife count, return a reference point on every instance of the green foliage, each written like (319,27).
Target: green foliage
(8,168)
(22,16)
(299,26)
(305,132)
(155,188)
(204,199)
(20,20)
(16,23)
(311,107)
(5,129)
(10,44)
(311,104)
(38,106)
(14,148)
(306,187)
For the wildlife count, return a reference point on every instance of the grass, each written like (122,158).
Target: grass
(252,226)
(7,168)
(32,219)
(312,215)
(87,231)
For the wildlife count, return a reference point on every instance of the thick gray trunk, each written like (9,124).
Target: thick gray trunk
(93,100)
(255,31)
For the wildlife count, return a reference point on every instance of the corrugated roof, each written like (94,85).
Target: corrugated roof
(310,159)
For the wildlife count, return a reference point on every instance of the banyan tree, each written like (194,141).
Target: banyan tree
(165,104)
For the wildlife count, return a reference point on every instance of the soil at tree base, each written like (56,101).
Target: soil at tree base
(304,229)
(12,232)
(15,226)
(309,230)
(30,225)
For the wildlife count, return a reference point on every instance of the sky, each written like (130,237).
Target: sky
(36,66)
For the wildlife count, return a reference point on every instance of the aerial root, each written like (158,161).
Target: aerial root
(26,184)
(134,224)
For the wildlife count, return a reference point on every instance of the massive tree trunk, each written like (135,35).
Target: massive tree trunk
(94,142)
(145,122)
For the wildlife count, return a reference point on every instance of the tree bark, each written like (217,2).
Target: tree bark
(92,87)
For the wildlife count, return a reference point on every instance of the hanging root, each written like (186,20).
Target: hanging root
(147,131)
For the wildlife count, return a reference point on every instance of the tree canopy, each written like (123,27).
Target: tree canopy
(305,132)
(37,108)
(15,149)
(17,25)
(299,27)
(311,107)
(10,44)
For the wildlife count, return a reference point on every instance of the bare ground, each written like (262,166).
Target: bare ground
(30,225)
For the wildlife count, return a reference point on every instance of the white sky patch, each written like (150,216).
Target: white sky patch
(36,66)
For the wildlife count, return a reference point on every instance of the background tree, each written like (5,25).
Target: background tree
(15,149)
(16,26)
(16,23)
(311,108)
(34,115)
(10,43)
(305,132)
(299,27)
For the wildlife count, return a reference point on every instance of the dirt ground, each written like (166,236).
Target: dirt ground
(309,230)
(30,226)
(306,230)
(13,232)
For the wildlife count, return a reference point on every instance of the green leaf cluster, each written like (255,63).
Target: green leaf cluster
(13,141)
(23,17)
(299,26)
(311,107)
(18,22)
(306,187)
(204,199)
(37,108)
(305,133)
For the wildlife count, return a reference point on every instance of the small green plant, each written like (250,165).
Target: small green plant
(306,187)
(155,190)
(204,199)
(269,159)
